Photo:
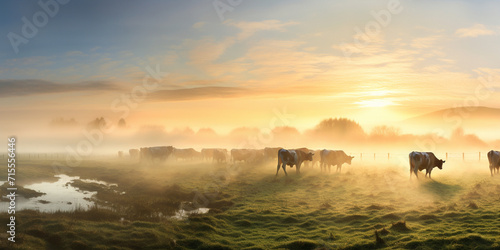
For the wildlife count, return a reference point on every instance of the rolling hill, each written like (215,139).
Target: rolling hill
(483,121)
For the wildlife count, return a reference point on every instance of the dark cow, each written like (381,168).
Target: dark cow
(494,159)
(271,153)
(316,158)
(152,153)
(219,155)
(247,155)
(207,153)
(134,153)
(305,150)
(334,157)
(291,158)
(424,160)
(210,153)
(186,154)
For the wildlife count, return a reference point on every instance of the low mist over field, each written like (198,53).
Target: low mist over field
(450,129)
(249,124)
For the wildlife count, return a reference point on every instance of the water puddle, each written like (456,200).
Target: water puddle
(182,214)
(59,196)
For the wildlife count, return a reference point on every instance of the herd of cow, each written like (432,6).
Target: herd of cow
(427,160)
(295,157)
(419,161)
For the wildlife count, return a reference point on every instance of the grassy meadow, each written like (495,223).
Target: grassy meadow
(251,209)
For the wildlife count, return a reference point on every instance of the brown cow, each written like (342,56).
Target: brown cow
(247,155)
(271,153)
(219,155)
(494,159)
(209,153)
(291,158)
(334,157)
(316,158)
(186,154)
(424,160)
(133,153)
(151,153)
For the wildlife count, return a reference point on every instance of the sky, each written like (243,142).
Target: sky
(225,64)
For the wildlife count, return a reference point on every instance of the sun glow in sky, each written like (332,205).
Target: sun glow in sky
(319,59)
(375,103)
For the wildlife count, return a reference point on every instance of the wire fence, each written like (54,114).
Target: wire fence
(363,156)
(464,156)
(49,156)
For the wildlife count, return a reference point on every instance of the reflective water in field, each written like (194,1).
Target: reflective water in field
(59,195)
(182,214)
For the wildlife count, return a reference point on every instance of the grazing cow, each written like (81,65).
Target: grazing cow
(424,160)
(219,155)
(305,150)
(152,153)
(334,157)
(316,158)
(134,153)
(291,158)
(494,159)
(209,153)
(247,155)
(271,153)
(186,154)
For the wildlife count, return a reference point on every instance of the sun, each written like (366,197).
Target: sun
(375,103)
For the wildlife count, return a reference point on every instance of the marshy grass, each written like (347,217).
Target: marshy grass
(250,209)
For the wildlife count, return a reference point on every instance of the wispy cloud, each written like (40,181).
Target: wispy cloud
(198,25)
(250,28)
(474,31)
(198,93)
(9,88)
(426,42)
(207,50)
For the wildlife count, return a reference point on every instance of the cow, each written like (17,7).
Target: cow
(316,158)
(134,153)
(219,155)
(271,153)
(494,159)
(209,153)
(151,153)
(186,154)
(305,150)
(334,157)
(291,158)
(424,160)
(246,155)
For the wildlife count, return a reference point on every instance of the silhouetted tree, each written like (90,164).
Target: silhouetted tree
(98,123)
(339,127)
(385,131)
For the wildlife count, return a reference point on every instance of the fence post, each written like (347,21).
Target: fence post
(374,156)
(388,156)
(446,155)
(463,156)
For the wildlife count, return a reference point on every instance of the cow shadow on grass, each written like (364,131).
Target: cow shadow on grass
(441,190)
